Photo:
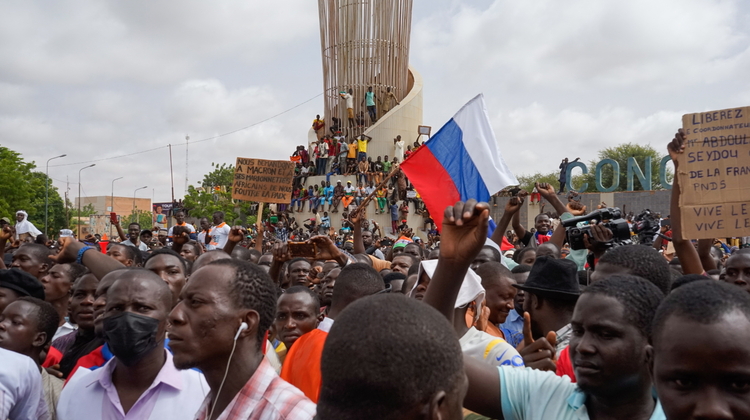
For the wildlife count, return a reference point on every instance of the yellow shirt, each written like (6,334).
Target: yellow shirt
(362,144)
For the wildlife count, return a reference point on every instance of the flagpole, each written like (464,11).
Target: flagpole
(366,201)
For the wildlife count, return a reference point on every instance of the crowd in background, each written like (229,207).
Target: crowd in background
(580,316)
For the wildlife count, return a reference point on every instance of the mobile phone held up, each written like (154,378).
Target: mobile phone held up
(113,217)
(302,249)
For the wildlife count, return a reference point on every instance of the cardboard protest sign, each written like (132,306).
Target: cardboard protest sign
(714,174)
(264,181)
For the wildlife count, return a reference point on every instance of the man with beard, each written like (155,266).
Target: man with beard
(141,381)
(219,327)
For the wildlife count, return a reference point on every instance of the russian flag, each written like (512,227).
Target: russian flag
(461,161)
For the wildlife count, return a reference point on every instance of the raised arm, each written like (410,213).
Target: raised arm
(517,226)
(547,192)
(684,249)
(120,232)
(463,234)
(511,209)
(704,251)
(280,256)
(462,238)
(236,234)
(99,264)
(356,219)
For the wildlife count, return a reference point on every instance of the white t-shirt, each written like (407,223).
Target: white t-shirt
(21,396)
(323,149)
(184,224)
(489,349)
(219,236)
(141,245)
(349,100)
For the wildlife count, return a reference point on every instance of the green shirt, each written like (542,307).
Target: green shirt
(386,167)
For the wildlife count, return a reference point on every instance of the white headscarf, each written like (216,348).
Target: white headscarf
(471,288)
(24,226)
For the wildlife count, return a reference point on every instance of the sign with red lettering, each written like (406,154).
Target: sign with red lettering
(714,174)
(264,181)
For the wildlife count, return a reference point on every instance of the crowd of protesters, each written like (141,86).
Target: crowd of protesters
(285,321)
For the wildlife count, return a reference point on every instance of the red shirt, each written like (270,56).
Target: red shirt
(565,365)
(93,359)
(53,357)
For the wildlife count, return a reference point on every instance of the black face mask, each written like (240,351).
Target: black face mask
(130,336)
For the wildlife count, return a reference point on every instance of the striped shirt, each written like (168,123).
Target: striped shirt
(265,396)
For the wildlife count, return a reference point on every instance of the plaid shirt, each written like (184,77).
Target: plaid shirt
(265,396)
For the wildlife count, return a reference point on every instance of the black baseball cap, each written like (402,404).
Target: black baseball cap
(22,283)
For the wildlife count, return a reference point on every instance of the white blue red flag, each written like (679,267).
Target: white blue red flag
(460,162)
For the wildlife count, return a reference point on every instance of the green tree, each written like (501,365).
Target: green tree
(620,154)
(215,194)
(22,188)
(143,218)
(86,211)
(527,181)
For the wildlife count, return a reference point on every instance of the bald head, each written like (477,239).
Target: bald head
(244,254)
(209,257)
(134,284)
(549,249)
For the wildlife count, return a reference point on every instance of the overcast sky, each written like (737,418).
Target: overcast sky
(95,79)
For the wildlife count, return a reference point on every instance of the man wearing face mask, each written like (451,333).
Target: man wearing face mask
(140,382)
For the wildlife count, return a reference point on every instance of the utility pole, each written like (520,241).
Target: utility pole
(171,172)
(67,214)
(46,192)
(187,143)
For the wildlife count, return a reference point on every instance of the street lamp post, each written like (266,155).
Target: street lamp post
(79,198)
(136,190)
(46,192)
(112,207)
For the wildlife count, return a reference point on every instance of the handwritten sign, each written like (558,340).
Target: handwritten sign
(264,181)
(714,174)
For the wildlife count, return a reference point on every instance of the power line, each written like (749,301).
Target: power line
(196,141)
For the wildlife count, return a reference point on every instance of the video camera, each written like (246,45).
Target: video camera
(610,217)
(646,225)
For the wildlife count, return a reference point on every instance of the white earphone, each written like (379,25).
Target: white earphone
(243,327)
